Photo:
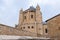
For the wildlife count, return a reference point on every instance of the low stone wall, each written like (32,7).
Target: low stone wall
(6,30)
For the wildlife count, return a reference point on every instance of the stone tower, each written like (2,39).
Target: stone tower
(31,20)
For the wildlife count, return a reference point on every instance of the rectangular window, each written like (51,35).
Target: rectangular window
(46,30)
(31,16)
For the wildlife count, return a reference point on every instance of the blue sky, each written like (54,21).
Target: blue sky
(9,9)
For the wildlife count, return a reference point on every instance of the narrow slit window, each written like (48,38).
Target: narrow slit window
(24,17)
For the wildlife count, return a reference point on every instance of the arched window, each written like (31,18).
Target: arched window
(31,16)
(59,28)
(46,30)
(29,27)
(23,27)
(32,27)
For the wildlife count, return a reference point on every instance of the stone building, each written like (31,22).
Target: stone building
(54,26)
(30,24)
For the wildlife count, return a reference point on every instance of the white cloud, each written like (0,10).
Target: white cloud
(35,2)
(6,9)
(8,2)
(44,2)
(2,8)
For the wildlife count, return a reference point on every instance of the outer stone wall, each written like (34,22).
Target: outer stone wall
(54,27)
(6,30)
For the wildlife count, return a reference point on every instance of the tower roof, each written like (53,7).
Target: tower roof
(30,9)
(38,7)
